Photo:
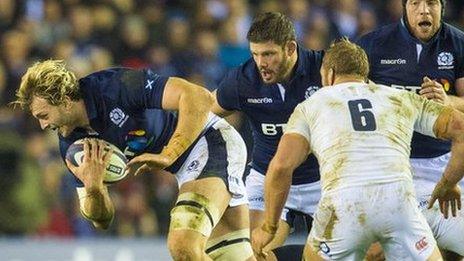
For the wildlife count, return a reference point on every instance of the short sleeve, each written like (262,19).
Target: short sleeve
(141,89)
(298,122)
(428,114)
(228,92)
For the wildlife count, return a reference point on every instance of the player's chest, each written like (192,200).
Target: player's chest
(406,67)
(276,100)
(132,132)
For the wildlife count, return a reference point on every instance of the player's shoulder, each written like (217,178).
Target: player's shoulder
(310,55)
(379,35)
(453,31)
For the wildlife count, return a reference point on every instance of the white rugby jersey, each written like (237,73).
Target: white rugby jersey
(361,133)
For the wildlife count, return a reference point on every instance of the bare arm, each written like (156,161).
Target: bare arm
(457,101)
(293,149)
(194,104)
(95,202)
(450,125)
(96,206)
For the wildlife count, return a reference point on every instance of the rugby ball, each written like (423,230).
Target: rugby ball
(116,169)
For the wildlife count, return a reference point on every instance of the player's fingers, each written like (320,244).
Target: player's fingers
(441,204)
(453,207)
(432,201)
(107,154)
(446,208)
(429,95)
(144,168)
(93,148)
(459,203)
(86,150)
(426,89)
(137,160)
(71,167)
(426,79)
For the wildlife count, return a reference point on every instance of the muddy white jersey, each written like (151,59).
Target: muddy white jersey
(361,133)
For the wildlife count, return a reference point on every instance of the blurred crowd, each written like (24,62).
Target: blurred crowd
(195,39)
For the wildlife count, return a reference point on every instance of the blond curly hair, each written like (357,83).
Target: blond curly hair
(50,80)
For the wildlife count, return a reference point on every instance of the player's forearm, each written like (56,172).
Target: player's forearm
(98,207)
(450,125)
(456,102)
(277,185)
(455,169)
(194,107)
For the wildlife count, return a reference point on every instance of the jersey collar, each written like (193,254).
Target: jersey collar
(408,36)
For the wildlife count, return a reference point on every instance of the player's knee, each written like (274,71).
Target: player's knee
(181,249)
(194,212)
(233,246)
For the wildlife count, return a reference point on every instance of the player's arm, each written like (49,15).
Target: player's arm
(293,149)
(193,103)
(94,200)
(96,205)
(217,109)
(433,90)
(450,126)
(457,101)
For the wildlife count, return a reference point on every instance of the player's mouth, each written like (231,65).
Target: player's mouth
(425,25)
(266,74)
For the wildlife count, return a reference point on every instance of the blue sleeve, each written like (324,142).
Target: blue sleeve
(227,93)
(141,89)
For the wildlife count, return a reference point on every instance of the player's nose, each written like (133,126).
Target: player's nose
(424,8)
(44,124)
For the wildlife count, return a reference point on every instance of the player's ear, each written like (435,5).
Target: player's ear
(291,48)
(331,76)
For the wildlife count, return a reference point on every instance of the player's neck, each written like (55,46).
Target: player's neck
(81,114)
(347,78)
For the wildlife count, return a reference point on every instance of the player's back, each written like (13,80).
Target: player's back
(361,133)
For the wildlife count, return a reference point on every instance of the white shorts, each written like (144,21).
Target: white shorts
(349,220)
(219,153)
(448,232)
(302,198)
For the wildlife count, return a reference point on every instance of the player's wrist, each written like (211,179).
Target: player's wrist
(269,228)
(175,148)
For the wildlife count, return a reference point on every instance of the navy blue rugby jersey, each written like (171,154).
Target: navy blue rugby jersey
(399,60)
(124,108)
(268,107)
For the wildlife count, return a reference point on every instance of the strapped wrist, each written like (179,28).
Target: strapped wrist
(268,228)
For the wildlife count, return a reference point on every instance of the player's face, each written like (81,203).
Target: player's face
(60,118)
(424,18)
(273,61)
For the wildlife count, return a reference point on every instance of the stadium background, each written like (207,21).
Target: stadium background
(195,39)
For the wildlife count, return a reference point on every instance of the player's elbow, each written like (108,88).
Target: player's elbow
(102,224)
(201,95)
(279,167)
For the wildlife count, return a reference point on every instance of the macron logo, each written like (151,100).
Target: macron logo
(393,61)
(259,100)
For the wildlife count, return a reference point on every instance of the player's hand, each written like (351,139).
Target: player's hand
(433,90)
(260,238)
(97,155)
(447,196)
(148,162)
